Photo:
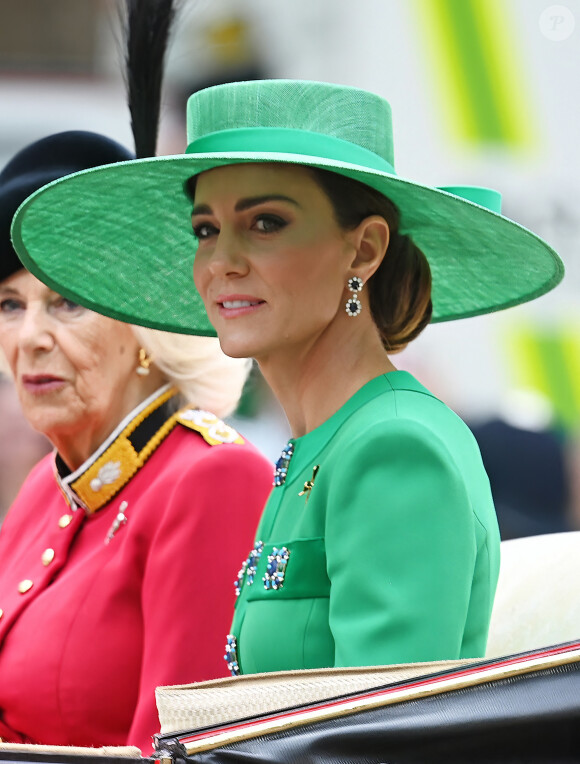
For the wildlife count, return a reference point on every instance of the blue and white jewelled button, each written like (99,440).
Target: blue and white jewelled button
(231,656)
(276,568)
(283,463)
(253,561)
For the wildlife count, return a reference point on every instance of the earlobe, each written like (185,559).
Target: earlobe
(370,239)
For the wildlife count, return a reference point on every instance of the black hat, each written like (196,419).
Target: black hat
(40,163)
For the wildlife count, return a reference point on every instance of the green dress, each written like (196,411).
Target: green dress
(389,554)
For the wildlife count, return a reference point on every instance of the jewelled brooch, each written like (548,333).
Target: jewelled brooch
(276,568)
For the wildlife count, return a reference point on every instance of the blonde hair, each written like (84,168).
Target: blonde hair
(205,376)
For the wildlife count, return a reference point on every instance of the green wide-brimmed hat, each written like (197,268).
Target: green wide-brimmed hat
(118,239)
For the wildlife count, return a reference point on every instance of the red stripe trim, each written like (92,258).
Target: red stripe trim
(323,705)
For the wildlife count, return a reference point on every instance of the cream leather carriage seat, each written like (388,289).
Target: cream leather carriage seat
(538,595)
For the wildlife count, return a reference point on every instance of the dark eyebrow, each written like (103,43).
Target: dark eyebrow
(201,209)
(253,201)
(246,204)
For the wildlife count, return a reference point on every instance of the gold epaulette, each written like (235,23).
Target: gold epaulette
(212,429)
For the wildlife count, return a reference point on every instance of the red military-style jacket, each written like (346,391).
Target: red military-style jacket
(118,578)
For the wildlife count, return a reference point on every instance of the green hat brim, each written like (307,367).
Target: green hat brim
(118,240)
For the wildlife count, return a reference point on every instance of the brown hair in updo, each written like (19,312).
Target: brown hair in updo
(400,289)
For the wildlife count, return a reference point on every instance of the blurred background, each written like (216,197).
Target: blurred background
(483,92)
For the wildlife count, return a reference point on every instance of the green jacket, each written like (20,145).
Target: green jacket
(390,556)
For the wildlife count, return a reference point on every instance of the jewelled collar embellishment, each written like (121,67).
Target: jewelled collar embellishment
(282,464)
(309,484)
(248,568)
(276,568)
(231,656)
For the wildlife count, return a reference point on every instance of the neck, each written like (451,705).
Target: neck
(75,444)
(312,383)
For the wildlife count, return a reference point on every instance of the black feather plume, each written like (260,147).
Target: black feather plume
(148,25)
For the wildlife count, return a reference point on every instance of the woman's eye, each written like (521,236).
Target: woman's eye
(9,305)
(269,223)
(204,230)
(67,305)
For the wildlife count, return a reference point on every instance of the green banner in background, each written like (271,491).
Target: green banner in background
(547,360)
(473,50)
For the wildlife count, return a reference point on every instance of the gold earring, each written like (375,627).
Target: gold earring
(144,362)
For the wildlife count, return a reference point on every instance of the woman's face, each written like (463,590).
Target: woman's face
(272,261)
(73,369)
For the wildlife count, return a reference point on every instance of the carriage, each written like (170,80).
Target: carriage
(521,703)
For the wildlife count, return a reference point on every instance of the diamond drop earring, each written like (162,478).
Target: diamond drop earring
(353,305)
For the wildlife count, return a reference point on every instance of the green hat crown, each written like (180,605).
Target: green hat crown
(285,116)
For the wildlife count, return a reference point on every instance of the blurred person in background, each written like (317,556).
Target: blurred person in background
(527,458)
(117,556)
(379,543)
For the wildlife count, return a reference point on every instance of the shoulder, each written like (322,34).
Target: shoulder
(203,445)
(201,435)
(405,463)
(217,441)
(405,429)
(399,395)
(404,410)
(187,475)
(390,445)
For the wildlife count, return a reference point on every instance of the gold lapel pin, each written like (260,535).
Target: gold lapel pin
(309,484)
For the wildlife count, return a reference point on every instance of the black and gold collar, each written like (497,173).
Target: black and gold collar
(122,454)
(126,450)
